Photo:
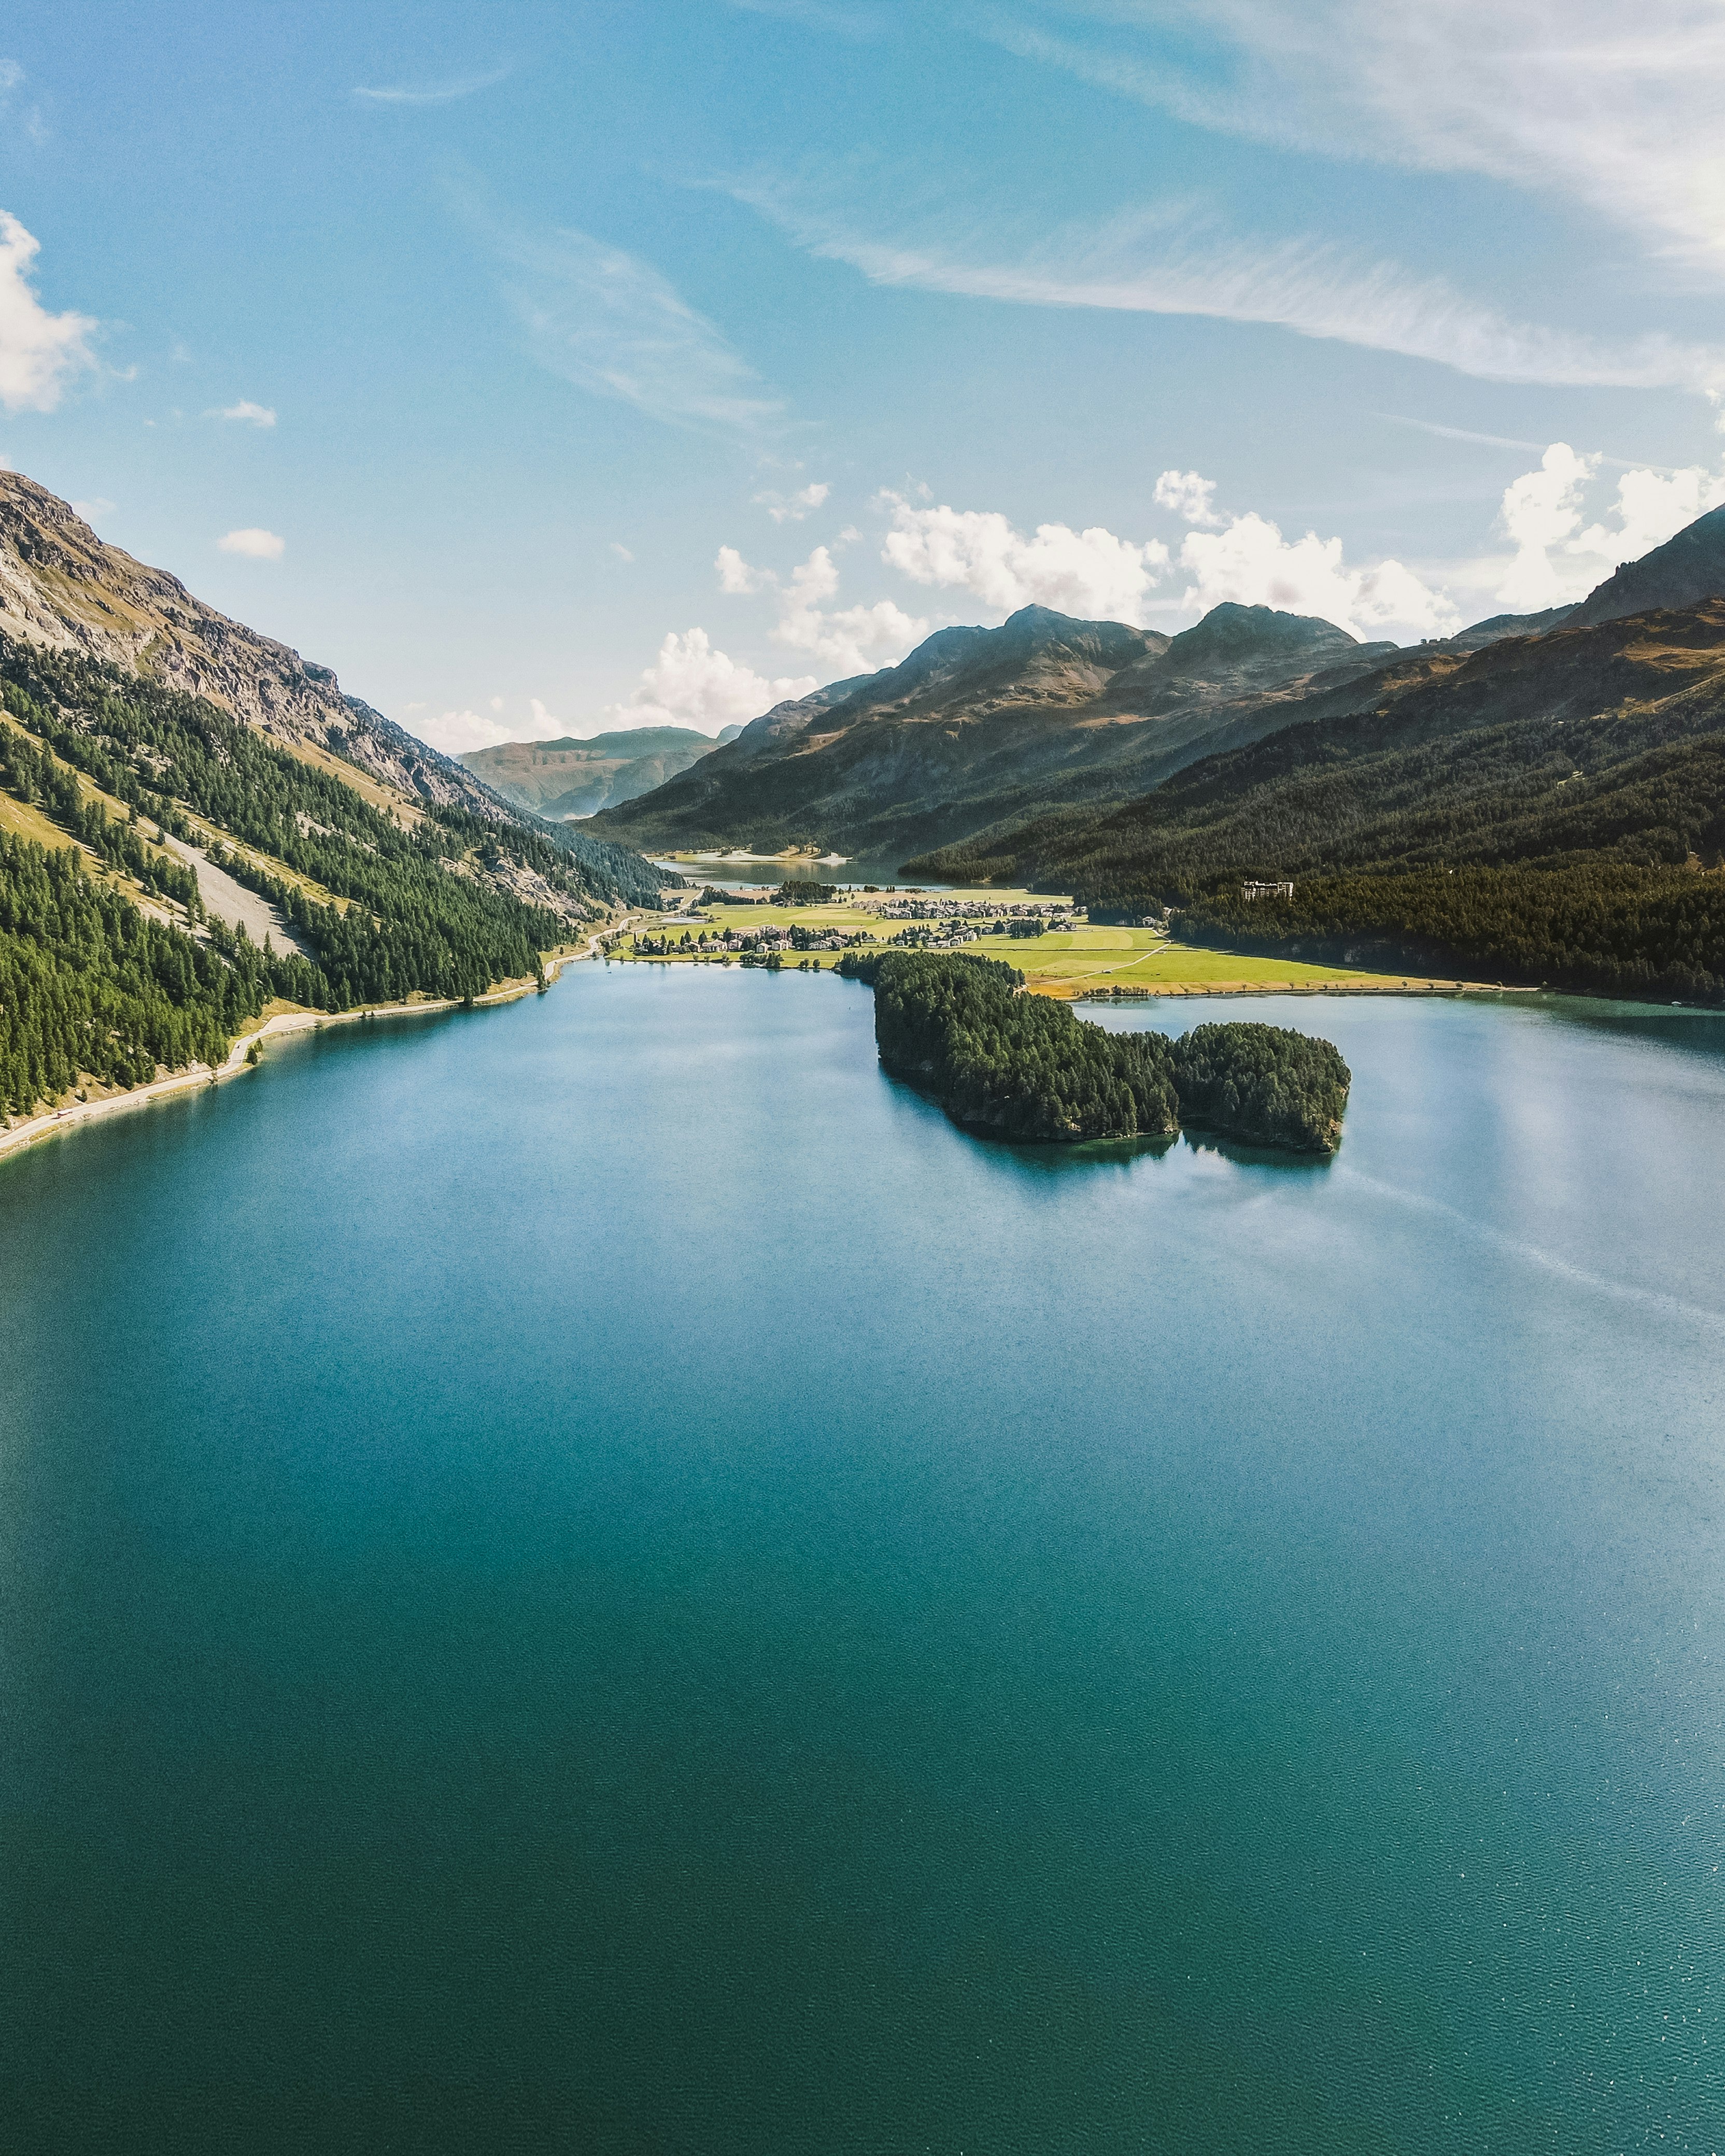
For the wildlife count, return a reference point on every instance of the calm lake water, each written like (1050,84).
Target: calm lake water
(595,1576)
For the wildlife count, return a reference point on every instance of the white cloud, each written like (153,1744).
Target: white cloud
(253,415)
(1187,495)
(612,325)
(691,685)
(848,640)
(455,732)
(1091,573)
(1165,262)
(792,509)
(1652,505)
(93,511)
(434,93)
(1541,514)
(1556,560)
(254,542)
(1616,109)
(1252,564)
(621,552)
(39,351)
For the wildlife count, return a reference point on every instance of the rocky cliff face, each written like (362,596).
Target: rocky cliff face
(1687,569)
(62,586)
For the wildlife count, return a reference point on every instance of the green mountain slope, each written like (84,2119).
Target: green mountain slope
(175,858)
(979,725)
(1552,809)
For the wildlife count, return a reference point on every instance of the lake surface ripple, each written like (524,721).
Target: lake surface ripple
(595,1576)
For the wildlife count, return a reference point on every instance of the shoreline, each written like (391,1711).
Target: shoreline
(78,1112)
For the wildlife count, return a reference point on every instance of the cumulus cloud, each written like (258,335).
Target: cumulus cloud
(1541,514)
(691,685)
(39,351)
(1187,495)
(792,509)
(252,542)
(1252,564)
(847,640)
(249,414)
(1092,573)
(1650,506)
(456,732)
(1556,558)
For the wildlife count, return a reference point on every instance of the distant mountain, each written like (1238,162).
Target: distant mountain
(977,725)
(561,779)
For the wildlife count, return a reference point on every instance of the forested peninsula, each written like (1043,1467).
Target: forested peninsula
(1026,1068)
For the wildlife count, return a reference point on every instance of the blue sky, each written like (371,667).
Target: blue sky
(545,369)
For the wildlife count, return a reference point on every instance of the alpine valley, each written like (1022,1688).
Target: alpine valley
(1539,799)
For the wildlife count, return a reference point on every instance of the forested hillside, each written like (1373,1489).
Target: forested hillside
(1432,830)
(385,902)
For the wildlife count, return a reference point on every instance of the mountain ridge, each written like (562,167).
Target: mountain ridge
(975,721)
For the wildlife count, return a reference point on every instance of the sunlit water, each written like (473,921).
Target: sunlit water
(596,1576)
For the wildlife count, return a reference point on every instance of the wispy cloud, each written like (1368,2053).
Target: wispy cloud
(249,414)
(29,121)
(39,352)
(792,508)
(817,15)
(1507,442)
(610,324)
(1459,434)
(1170,262)
(1614,109)
(435,93)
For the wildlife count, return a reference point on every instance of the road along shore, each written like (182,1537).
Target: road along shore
(56,1120)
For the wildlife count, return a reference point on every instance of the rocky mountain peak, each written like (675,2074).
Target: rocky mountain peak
(1687,569)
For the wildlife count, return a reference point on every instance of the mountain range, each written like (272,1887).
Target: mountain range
(564,779)
(980,731)
(978,724)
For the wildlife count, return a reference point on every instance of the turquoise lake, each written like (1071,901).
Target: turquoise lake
(596,1576)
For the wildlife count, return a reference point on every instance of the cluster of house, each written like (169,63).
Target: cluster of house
(1055,912)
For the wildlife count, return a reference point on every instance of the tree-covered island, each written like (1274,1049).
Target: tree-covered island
(1027,1068)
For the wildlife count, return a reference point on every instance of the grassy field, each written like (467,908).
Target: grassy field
(1066,963)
